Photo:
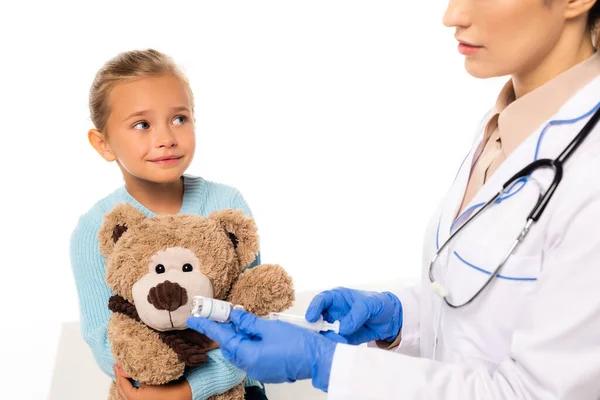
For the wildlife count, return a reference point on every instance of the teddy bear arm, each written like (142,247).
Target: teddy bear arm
(263,289)
(141,353)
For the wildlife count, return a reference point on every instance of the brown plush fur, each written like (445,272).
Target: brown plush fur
(224,243)
(127,217)
(244,229)
(190,346)
(236,393)
(112,392)
(204,237)
(263,289)
(141,353)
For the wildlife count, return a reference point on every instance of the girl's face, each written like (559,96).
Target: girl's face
(150,130)
(512,37)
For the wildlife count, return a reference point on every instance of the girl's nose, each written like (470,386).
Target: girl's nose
(165,138)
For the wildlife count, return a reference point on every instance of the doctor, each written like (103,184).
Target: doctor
(490,327)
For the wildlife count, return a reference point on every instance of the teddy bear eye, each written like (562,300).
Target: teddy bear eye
(187,267)
(160,269)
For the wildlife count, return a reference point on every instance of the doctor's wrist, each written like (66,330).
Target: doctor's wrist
(322,363)
(396,318)
(389,345)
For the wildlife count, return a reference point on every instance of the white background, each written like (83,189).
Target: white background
(341,122)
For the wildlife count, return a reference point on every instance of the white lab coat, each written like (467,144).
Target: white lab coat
(533,335)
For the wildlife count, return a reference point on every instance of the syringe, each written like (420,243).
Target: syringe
(319,326)
(219,310)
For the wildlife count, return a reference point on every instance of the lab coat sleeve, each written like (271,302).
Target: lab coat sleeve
(409,334)
(555,352)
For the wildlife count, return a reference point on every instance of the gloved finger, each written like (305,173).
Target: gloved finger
(361,336)
(355,319)
(327,316)
(336,313)
(246,355)
(335,337)
(248,323)
(320,303)
(221,333)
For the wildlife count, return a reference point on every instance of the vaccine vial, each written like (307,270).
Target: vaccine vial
(213,309)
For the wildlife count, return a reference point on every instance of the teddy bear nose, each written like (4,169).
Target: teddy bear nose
(167,296)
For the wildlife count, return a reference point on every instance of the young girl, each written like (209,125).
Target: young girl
(142,108)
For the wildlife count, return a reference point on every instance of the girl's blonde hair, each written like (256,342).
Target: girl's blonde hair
(128,66)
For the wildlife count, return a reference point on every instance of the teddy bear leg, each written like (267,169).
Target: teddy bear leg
(235,393)
(112,394)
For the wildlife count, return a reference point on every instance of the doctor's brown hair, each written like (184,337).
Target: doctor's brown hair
(594,18)
(124,67)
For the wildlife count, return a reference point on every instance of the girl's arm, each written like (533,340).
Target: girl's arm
(88,268)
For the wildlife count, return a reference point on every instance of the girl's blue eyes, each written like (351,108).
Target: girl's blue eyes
(143,125)
(139,126)
(182,118)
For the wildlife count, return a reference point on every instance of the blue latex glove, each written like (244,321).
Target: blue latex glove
(272,351)
(364,316)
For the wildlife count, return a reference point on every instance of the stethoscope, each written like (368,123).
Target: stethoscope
(556,165)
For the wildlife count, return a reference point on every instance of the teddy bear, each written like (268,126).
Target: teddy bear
(156,265)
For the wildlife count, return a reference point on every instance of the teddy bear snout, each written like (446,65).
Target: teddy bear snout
(167,296)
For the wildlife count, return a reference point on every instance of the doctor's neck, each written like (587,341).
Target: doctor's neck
(533,41)
(573,47)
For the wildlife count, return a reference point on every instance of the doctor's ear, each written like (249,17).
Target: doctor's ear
(98,141)
(577,8)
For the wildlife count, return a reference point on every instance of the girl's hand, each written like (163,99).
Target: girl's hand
(172,391)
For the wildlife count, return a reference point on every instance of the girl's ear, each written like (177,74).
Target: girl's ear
(98,141)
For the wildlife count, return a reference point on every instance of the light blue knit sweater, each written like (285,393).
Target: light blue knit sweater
(200,197)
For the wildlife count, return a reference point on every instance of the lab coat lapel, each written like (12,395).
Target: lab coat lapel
(546,142)
(455,195)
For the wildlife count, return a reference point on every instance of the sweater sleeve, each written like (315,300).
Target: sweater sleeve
(88,268)
(239,203)
(215,376)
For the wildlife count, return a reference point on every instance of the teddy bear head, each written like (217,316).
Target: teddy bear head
(158,264)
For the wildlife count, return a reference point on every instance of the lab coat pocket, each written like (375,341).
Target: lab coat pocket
(494,314)
(470,272)
(483,254)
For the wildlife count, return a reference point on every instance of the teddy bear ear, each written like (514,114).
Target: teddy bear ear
(116,222)
(242,232)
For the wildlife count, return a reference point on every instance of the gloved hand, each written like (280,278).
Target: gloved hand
(272,351)
(364,316)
